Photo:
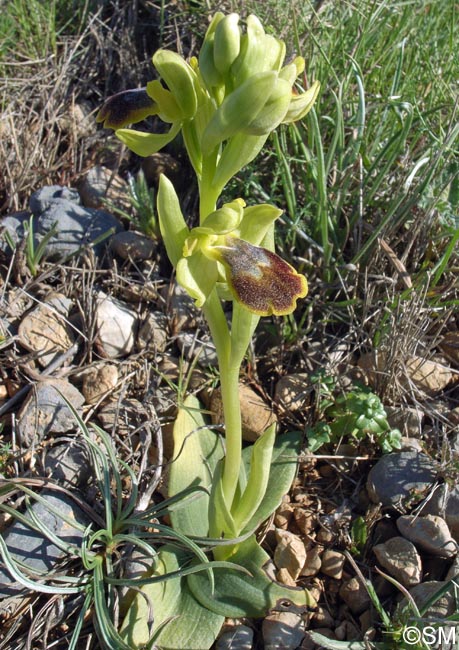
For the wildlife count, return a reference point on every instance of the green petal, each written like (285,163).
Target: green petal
(197,274)
(225,219)
(168,109)
(260,280)
(146,144)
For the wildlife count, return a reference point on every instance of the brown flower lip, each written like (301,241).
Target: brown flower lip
(261,280)
(126,107)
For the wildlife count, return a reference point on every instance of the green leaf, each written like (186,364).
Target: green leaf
(237,595)
(173,228)
(258,477)
(331,644)
(283,469)
(197,451)
(190,626)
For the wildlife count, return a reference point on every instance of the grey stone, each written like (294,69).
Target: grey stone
(153,332)
(452,512)
(355,595)
(45,410)
(422,593)
(430,533)
(68,464)
(236,637)
(400,558)
(45,196)
(101,185)
(75,227)
(201,348)
(401,479)
(34,550)
(13,226)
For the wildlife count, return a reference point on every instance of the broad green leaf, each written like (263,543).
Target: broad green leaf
(190,626)
(331,644)
(283,469)
(173,228)
(237,595)
(260,463)
(197,451)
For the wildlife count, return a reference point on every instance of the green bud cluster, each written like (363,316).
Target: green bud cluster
(226,102)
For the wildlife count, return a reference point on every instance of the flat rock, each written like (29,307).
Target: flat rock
(400,479)
(399,557)
(256,414)
(422,593)
(68,464)
(45,330)
(45,411)
(130,245)
(116,327)
(430,533)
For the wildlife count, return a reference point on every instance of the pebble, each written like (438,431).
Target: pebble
(45,331)
(429,375)
(101,184)
(283,515)
(235,637)
(256,414)
(292,392)
(13,225)
(290,553)
(313,562)
(406,419)
(305,520)
(452,512)
(98,382)
(183,313)
(333,563)
(153,334)
(131,245)
(116,327)
(400,479)
(355,595)
(45,410)
(399,557)
(282,630)
(43,198)
(431,533)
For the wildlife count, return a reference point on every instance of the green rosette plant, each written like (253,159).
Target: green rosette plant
(225,103)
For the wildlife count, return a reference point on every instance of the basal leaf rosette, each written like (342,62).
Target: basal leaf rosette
(216,252)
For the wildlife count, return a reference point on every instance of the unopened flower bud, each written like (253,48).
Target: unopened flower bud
(180,78)
(227,43)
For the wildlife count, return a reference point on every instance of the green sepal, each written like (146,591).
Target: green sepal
(239,109)
(146,144)
(174,230)
(197,274)
(252,54)
(168,109)
(225,219)
(180,79)
(237,595)
(274,111)
(211,76)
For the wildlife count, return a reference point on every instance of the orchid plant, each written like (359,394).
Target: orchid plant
(225,103)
